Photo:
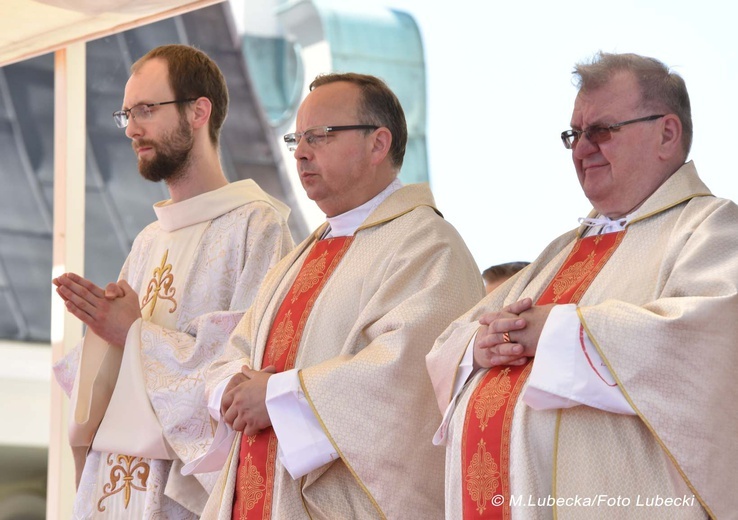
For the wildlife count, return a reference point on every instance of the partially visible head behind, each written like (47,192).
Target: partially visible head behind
(379,106)
(662,90)
(193,74)
(498,274)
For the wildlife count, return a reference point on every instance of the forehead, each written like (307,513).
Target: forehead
(331,104)
(610,103)
(149,84)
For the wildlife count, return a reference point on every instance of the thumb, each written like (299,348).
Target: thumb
(271,369)
(113,291)
(123,285)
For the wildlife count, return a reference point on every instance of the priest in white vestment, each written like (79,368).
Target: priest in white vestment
(342,429)
(137,382)
(598,382)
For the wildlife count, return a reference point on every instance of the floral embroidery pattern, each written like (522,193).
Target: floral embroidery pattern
(123,477)
(482,477)
(252,486)
(160,286)
(309,275)
(492,397)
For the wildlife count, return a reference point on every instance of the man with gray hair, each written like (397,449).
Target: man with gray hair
(588,386)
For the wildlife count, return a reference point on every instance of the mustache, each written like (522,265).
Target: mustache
(141,142)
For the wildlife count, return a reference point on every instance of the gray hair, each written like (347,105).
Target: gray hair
(660,87)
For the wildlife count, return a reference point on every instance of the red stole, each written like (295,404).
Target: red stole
(485,456)
(257,456)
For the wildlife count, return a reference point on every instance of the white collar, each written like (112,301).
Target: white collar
(345,224)
(606,224)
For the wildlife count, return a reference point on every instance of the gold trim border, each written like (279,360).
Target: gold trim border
(641,416)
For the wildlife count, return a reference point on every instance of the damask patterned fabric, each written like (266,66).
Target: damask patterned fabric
(195,270)
(402,280)
(661,313)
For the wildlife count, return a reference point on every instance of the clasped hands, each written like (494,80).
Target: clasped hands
(243,406)
(509,336)
(108,312)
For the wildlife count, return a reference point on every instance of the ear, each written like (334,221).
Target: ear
(381,143)
(671,137)
(201,112)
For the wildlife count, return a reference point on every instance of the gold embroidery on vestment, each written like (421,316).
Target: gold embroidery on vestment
(572,275)
(252,486)
(311,274)
(162,279)
(492,397)
(251,439)
(122,478)
(281,339)
(482,477)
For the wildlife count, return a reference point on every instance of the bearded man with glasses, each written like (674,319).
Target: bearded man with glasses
(589,382)
(138,385)
(324,380)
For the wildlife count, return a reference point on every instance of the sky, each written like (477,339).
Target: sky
(500,92)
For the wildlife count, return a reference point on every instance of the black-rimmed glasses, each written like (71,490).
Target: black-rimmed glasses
(318,135)
(142,111)
(599,134)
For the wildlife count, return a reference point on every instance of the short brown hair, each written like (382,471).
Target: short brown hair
(379,106)
(502,271)
(193,74)
(661,88)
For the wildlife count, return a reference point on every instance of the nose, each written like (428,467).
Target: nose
(302,150)
(133,129)
(584,147)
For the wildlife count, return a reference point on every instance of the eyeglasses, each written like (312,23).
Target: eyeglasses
(142,111)
(599,134)
(317,136)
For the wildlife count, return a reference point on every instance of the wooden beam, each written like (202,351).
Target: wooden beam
(68,255)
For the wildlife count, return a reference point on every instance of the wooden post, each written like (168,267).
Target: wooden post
(69,248)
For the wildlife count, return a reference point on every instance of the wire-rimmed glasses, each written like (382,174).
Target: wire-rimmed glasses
(141,112)
(599,134)
(318,135)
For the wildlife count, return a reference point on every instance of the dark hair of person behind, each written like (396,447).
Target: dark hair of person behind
(661,88)
(193,74)
(494,273)
(379,107)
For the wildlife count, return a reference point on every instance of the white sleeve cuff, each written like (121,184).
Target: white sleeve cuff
(568,371)
(303,446)
(216,397)
(466,367)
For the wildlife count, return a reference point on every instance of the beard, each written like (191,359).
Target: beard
(172,154)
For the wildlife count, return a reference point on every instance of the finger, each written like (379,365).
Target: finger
(229,416)
(74,302)
(247,371)
(497,361)
(486,319)
(125,287)
(60,292)
(519,306)
(113,291)
(271,369)
(78,313)
(503,349)
(249,430)
(506,325)
(84,283)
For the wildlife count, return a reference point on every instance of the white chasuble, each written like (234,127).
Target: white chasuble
(661,315)
(195,271)
(361,365)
